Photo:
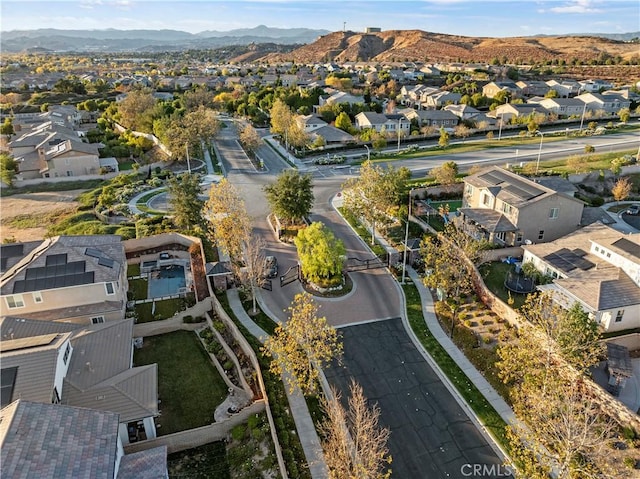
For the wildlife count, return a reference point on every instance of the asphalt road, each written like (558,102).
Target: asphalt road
(431,436)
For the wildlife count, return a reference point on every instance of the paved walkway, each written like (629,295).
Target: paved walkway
(460,359)
(620,225)
(299,410)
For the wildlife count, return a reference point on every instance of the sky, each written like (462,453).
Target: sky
(489,18)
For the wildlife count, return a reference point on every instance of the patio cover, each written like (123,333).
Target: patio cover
(491,220)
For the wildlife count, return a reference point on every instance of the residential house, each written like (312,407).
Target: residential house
(430,71)
(81,366)
(340,97)
(51,440)
(596,266)
(564,107)
(79,279)
(69,158)
(389,123)
(464,112)
(440,99)
(529,88)
(610,104)
(511,210)
(565,89)
(508,111)
(491,89)
(594,86)
(316,126)
(435,118)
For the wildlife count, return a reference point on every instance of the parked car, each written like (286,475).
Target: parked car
(270,267)
(633,210)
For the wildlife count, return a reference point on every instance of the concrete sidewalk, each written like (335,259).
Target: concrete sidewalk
(452,350)
(304,424)
(621,225)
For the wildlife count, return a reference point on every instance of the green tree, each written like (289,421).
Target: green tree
(321,255)
(343,122)
(184,191)
(376,194)
(291,196)
(7,127)
(302,345)
(353,444)
(446,174)
(229,222)
(8,169)
(444,140)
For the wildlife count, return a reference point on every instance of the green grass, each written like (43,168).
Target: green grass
(62,186)
(138,289)
(164,309)
(125,165)
(474,398)
(133,269)
(189,385)
(494,274)
(377,249)
(619,207)
(202,462)
(453,204)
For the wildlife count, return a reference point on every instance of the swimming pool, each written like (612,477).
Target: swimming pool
(166,281)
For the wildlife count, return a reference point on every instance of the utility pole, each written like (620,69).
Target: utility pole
(344,27)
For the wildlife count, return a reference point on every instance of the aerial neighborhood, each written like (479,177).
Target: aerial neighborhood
(320,261)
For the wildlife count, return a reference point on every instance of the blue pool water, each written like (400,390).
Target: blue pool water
(166,281)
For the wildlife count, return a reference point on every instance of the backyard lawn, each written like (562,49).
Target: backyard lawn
(164,309)
(494,274)
(189,385)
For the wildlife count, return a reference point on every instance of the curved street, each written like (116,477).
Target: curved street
(431,434)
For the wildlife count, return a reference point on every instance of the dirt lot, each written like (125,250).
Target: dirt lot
(25,217)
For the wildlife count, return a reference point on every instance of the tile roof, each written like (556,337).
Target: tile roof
(79,311)
(149,464)
(51,440)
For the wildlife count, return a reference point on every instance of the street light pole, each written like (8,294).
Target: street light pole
(399,119)
(406,237)
(584,110)
(368,152)
(539,150)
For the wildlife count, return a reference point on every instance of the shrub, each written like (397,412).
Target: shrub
(228,365)
(630,462)
(237,433)
(597,201)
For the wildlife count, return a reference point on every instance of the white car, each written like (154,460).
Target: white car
(633,210)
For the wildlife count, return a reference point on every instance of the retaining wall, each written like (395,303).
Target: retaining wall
(200,436)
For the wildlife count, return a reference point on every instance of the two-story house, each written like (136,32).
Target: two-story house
(529,88)
(565,88)
(563,107)
(491,89)
(508,209)
(516,110)
(440,99)
(610,104)
(315,127)
(79,279)
(596,266)
(82,366)
(435,118)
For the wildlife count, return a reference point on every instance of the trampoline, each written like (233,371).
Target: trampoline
(518,283)
(166,281)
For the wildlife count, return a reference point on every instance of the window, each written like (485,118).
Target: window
(469,190)
(67,352)
(541,234)
(486,199)
(109,287)
(37,297)
(506,208)
(97,320)
(597,249)
(15,301)
(553,213)
(69,173)
(619,315)
(519,237)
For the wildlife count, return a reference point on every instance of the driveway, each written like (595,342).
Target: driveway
(431,436)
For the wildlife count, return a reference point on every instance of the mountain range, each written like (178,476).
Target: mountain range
(111,40)
(304,45)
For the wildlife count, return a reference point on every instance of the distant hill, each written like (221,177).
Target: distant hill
(417,45)
(111,40)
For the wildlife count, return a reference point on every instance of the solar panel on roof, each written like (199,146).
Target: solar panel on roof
(94,253)
(628,247)
(11,250)
(580,252)
(54,276)
(103,261)
(56,259)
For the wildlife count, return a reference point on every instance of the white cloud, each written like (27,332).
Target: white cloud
(577,6)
